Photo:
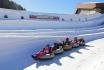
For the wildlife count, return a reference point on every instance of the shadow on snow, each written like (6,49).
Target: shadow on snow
(57,58)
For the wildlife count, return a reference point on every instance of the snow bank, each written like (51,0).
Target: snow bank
(83,58)
(18,46)
(37,24)
(15,52)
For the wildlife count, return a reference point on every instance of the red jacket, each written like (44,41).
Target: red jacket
(46,50)
(40,54)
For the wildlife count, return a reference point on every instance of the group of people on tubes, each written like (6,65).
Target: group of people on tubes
(50,51)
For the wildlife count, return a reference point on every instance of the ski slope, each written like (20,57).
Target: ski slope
(17,46)
(92,20)
(83,58)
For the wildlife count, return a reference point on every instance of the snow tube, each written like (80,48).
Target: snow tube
(46,56)
(67,47)
(58,50)
(81,41)
(82,44)
(75,45)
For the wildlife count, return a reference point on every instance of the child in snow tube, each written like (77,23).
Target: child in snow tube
(44,54)
(82,41)
(47,49)
(67,44)
(58,48)
(75,42)
(38,55)
(55,46)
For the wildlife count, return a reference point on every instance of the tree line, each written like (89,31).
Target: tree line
(10,5)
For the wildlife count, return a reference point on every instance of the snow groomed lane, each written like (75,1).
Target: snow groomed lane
(27,45)
(17,46)
(56,33)
(83,58)
(92,20)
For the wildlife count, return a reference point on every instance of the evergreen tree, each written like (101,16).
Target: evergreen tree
(10,5)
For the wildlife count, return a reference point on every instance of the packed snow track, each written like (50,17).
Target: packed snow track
(17,46)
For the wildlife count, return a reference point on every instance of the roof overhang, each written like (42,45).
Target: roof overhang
(90,5)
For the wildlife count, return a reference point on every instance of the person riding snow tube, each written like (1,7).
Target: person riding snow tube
(81,42)
(47,49)
(46,53)
(58,48)
(67,44)
(38,55)
(75,42)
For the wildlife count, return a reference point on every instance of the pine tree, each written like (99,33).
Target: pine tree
(10,5)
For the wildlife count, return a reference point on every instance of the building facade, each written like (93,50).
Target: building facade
(90,8)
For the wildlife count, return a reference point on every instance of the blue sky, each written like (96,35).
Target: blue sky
(52,6)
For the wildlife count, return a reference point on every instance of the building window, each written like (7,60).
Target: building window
(22,17)
(5,16)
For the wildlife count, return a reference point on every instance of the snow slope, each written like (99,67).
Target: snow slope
(92,20)
(17,46)
(16,50)
(89,57)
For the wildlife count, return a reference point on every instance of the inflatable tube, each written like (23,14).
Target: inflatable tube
(59,50)
(67,47)
(46,56)
(82,44)
(75,45)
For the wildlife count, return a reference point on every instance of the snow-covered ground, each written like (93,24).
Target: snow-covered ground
(90,57)
(78,21)
(17,46)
